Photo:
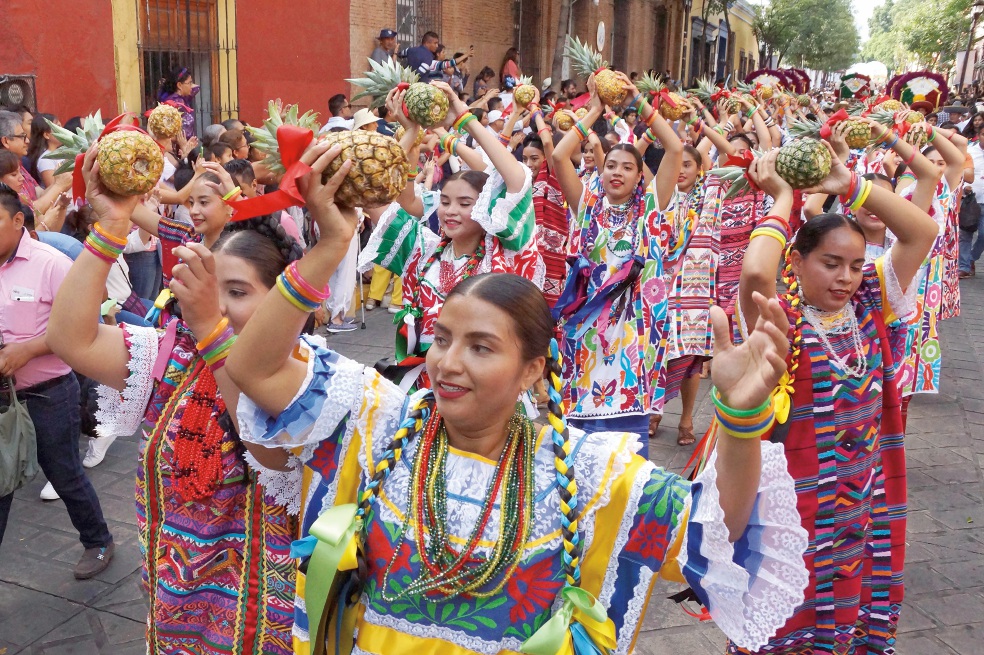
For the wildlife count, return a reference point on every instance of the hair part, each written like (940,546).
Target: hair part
(474,179)
(625,147)
(811,234)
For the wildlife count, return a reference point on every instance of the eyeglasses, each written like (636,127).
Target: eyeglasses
(18,136)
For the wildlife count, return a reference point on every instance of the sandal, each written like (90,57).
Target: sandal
(654,421)
(685,436)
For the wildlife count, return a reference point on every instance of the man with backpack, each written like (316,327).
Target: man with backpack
(971,241)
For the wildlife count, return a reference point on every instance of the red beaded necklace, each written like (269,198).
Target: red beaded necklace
(198,441)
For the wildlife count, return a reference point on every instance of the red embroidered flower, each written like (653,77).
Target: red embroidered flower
(532,589)
(649,540)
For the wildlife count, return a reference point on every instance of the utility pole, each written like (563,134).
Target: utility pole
(975,13)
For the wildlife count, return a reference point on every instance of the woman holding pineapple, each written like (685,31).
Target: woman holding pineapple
(215,540)
(838,408)
(487,225)
(613,308)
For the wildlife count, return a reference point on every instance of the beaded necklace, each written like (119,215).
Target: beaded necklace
(843,321)
(198,441)
(445,571)
(447,281)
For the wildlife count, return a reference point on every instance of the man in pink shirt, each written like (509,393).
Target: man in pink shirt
(30,274)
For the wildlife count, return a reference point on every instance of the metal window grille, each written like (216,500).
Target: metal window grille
(429,17)
(406,22)
(176,34)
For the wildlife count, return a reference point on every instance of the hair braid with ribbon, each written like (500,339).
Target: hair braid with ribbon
(564,460)
(793,298)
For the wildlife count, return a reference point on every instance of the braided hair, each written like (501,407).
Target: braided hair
(263,242)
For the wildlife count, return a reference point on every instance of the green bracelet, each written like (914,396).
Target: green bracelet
(737,413)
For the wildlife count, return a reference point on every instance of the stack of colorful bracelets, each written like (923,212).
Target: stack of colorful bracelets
(582,132)
(299,291)
(463,120)
(858,192)
(448,143)
(412,173)
(215,347)
(743,423)
(104,245)
(774,227)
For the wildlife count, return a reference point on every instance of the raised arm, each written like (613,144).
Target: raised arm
(953,149)
(261,360)
(927,174)
(505,163)
(74,333)
(564,169)
(669,166)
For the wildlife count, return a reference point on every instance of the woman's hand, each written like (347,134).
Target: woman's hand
(196,288)
(112,211)
(838,182)
(595,99)
(838,140)
(336,224)
(394,105)
(763,173)
(188,146)
(457,106)
(226,184)
(745,375)
(631,89)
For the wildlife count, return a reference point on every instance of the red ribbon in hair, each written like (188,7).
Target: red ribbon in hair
(115,125)
(743,161)
(293,141)
(839,117)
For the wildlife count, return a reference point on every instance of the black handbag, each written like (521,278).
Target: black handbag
(969,218)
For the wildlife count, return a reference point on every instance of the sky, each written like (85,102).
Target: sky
(862,12)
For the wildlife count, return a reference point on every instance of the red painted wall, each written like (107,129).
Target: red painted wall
(297,51)
(68,48)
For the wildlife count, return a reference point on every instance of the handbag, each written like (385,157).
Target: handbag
(970,212)
(18,443)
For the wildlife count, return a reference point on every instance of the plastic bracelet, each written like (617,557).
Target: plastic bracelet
(692,120)
(847,197)
(752,112)
(771,232)
(214,334)
(460,122)
(743,424)
(545,129)
(866,191)
(932,135)
(232,194)
(889,146)
(104,245)
(635,101)
(305,287)
(533,107)
(412,175)
(582,132)
(783,221)
(291,295)
(642,103)
(912,157)
(114,240)
(215,357)
(652,118)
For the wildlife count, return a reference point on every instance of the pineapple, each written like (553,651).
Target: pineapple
(564,122)
(765,91)
(581,113)
(654,86)
(426,105)
(381,166)
(524,92)
(164,122)
(889,118)
(705,90)
(889,105)
(400,131)
(803,100)
(917,137)
(130,162)
(803,163)
(586,61)
(858,135)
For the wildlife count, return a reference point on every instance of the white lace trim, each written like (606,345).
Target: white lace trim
(283,487)
(902,303)
(457,637)
(120,414)
(621,460)
(633,612)
(749,609)
(495,219)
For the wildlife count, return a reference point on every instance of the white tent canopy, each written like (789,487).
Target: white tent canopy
(876,70)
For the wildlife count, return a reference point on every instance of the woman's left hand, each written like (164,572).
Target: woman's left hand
(196,288)
(457,106)
(745,375)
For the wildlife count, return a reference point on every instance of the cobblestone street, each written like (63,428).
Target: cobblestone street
(44,611)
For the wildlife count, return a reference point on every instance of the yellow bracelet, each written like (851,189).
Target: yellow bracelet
(289,297)
(772,233)
(864,195)
(232,194)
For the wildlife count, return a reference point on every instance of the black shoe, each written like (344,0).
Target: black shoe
(93,562)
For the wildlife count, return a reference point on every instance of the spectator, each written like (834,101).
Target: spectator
(15,138)
(510,68)
(341,113)
(233,124)
(212,133)
(236,140)
(30,275)
(481,84)
(568,88)
(421,59)
(385,50)
(218,152)
(496,121)
(178,88)
(972,241)
(365,120)
(494,103)
(42,142)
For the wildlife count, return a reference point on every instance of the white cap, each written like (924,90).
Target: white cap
(494,115)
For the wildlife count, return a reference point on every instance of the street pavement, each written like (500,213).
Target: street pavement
(45,611)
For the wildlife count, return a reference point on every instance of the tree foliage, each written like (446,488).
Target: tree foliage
(819,34)
(926,33)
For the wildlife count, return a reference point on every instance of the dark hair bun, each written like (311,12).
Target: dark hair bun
(270,227)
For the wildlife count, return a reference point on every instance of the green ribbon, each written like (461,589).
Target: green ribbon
(334,531)
(553,637)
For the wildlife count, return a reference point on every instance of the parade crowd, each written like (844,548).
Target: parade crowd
(559,265)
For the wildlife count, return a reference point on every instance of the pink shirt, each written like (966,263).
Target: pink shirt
(28,283)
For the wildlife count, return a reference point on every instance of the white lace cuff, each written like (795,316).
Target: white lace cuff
(284,487)
(751,587)
(496,216)
(901,303)
(120,414)
(371,253)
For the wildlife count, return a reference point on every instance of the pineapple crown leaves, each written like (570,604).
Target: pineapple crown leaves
(736,176)
(705,90)
(266,136)
(73,143)
(382,78)
(583,57)
(805,128)
(524,79)
(650,84)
